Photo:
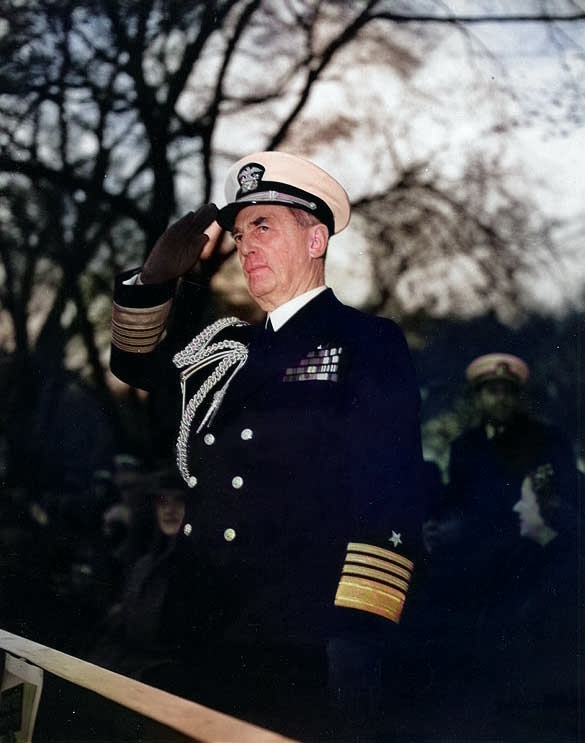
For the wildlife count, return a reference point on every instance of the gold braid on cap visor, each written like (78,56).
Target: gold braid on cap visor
(312,204)
(278,196)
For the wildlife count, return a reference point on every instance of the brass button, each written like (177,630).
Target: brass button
(247,434)
(192,481)
(229,535)
(209,439)
(237,482)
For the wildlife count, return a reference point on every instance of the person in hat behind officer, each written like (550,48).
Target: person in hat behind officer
(300,441)
(476,545)
(489,461)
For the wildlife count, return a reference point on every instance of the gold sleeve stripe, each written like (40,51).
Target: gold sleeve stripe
(377,575)
(355,558)
(374,579)
(138,329)
(137,342)
(380,552)
(365,595)
(141,317)
(137,336)
(135,345)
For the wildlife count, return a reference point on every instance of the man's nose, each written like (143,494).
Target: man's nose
(246,246)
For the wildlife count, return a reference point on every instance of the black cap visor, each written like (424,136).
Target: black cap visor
(279,195)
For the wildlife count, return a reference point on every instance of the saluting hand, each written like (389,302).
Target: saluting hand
(179,247)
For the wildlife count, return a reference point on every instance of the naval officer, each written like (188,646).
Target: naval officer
(489,461)
(300,442)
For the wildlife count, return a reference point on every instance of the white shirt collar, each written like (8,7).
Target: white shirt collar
(283,314)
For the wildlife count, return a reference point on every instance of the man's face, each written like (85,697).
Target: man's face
(279,257)
(497,400)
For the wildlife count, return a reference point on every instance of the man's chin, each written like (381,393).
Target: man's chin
(259,290)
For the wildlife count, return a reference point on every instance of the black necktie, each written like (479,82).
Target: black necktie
(269,328)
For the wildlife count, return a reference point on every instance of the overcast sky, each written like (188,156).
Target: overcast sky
(545,138)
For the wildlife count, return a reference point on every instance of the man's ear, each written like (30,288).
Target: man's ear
(319,240)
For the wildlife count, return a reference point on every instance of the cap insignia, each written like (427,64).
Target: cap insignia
(250,176)
(502,368)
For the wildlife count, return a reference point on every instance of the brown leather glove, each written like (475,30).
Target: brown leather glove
(178,249)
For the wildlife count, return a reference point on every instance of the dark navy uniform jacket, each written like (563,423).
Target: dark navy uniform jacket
(486,475)
(306,482)
(485,481)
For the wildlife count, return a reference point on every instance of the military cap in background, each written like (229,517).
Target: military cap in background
(287,180)
(497,366)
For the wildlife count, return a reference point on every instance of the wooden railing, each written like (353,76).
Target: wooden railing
(196,722)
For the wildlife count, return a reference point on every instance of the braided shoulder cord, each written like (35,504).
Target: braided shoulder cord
(229,355)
